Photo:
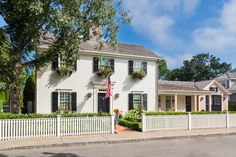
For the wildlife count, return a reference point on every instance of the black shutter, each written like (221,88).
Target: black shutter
(131,101)
(73,101)
(95,64)
(145,101)
(112,65)
(130,67)
(54,101)
(75,65)
(55,62)
(144,67)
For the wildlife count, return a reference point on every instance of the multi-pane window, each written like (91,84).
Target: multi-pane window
(62,61)
(137,66)
(159,102)
(64,100)
(137,100)
(170,100)
(105,62)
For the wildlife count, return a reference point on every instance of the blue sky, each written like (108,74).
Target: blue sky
(179,29)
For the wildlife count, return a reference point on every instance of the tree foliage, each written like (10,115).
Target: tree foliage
(201,67)
(164,72)
(68,21)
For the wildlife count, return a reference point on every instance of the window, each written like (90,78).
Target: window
(64,100)
(62,61)
(137,100)
(105,62)
(170,100)
(137,66)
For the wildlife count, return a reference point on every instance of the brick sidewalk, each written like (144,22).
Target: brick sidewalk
(122,137)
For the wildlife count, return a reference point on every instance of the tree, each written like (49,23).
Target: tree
(201,67)
(164,72)
(29,92)
(68,21)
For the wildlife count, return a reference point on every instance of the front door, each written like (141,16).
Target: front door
(188,102)
(103,104)
(216,103)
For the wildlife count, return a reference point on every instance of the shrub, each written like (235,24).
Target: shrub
(132,125)
(232,107)
(166,113)
(52,115)
(135,114)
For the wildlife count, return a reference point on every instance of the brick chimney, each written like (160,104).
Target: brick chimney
(95,31)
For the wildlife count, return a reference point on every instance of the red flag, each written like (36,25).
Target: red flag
(108,88)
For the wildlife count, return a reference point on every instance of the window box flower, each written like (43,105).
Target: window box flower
(64,71)
(138,75)
(104,72)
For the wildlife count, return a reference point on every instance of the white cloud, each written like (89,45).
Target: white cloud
(155,19)
(177,60)
(221,37)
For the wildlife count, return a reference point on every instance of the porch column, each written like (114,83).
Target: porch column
(199,103)
(195,103)
(210,101)
(176,102)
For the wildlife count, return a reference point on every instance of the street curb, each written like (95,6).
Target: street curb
(118,141)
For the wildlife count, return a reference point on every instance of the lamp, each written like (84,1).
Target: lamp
(89,95)
(117,95)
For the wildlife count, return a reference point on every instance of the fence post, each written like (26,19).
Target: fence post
(112,123)
(189,121)
(227,119)
(144,125)
(58,125)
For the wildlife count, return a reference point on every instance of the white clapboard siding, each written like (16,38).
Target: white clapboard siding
(11,129)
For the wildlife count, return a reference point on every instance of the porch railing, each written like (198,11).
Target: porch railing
(11,129)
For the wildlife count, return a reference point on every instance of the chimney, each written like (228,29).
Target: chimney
(95,31)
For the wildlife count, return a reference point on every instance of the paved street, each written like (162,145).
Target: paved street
(194,147)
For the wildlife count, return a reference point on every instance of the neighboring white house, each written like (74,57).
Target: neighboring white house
(192,96)
(84,91)
(228,80)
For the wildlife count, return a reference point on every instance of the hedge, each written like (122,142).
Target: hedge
(232,107)
(52,115)
(166,113)
(132,125)
(185,113)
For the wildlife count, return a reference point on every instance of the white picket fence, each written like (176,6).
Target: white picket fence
(11,129)
(190,121)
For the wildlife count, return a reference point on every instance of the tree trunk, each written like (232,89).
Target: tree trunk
(15,95)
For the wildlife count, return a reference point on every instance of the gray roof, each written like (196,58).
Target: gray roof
(227,76)
(177,85)
(122,48)
(202,84)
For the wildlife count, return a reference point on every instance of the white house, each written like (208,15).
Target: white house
(84,90)
(228,80)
